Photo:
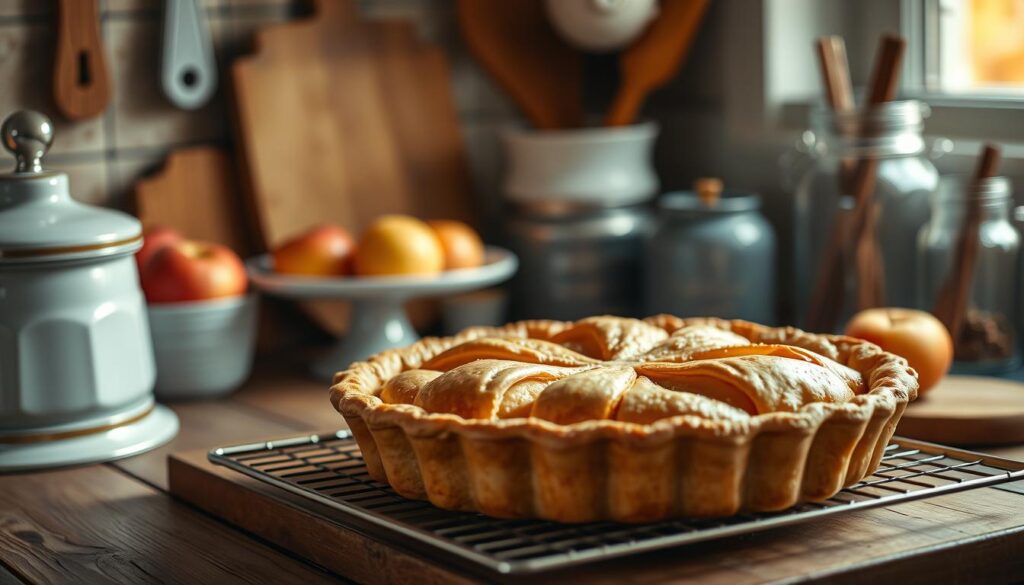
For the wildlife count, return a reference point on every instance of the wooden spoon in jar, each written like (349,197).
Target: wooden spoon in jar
(518,46)
(653,59)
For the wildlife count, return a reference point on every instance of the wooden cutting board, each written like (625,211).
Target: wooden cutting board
(195,192)
(341,120)
(973,536)
(968,410)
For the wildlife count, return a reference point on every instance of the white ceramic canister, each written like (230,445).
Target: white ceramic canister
(75,353)
(585,167)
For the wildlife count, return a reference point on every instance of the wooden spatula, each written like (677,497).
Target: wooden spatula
(81,86)
(655,57)
(519,48)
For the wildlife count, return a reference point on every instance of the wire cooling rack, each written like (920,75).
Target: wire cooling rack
(329,469)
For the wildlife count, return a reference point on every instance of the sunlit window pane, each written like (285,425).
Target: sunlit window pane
(981,45)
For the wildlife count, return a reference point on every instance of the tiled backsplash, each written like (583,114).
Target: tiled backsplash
(106,155)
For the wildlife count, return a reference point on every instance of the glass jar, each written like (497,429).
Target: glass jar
(987,343)
(712,259)
(906,177)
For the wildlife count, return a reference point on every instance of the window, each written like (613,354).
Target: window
(966,48)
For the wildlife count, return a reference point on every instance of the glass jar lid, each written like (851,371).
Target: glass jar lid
(39,221)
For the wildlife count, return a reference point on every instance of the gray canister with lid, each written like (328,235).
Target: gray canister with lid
(714,258)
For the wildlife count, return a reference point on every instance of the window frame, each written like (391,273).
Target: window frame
(918,21)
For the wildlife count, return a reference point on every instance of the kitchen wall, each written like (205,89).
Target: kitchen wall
(106,155)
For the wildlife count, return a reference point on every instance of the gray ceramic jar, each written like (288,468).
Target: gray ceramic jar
(711,258)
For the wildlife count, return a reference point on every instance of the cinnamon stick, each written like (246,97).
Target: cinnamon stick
(835,73)
(855,230)
(953,299)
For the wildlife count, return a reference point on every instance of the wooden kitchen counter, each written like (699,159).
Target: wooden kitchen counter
(116,522)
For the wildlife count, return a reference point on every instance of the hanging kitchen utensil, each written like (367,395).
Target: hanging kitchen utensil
(81,85)
(518,46)
(341,120)
(654,59)
(195,193)
(188,69)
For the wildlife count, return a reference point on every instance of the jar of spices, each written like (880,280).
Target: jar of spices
(819,178)
(712,253)
(987,340)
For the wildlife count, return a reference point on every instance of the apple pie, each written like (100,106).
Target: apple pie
(621,419)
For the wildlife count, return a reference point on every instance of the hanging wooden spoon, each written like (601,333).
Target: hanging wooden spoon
(654,59)
(517,45)
(81,86)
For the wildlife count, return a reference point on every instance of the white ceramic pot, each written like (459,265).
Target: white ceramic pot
(592,167)
(74,343)
(203,349)
(74,340)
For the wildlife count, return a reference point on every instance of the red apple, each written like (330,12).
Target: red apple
(322,251)
(193,271)
(153,240)
(915,335)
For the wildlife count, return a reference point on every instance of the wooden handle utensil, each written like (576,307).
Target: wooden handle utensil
(653,59)
(519,48)
(81,85)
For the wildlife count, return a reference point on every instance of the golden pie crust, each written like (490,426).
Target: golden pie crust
(620,419)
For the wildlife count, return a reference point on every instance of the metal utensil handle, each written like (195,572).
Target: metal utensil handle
(188,72)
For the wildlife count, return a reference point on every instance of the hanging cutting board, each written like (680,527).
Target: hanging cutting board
(341,120)
(968,410)
(195,192)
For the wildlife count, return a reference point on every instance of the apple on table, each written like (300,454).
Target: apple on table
(915,335)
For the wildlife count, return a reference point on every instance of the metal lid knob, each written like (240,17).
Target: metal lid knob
(28,135)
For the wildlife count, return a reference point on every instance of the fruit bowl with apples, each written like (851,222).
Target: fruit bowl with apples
(201,315)
(397,258)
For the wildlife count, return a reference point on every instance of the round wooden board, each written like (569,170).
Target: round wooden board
(968,410)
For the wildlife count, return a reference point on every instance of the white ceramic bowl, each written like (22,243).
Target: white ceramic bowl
(203,349)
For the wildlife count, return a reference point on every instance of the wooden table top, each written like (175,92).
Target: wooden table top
(115,522)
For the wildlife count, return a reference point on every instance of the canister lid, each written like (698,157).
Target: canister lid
(39,221)
(691,202)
